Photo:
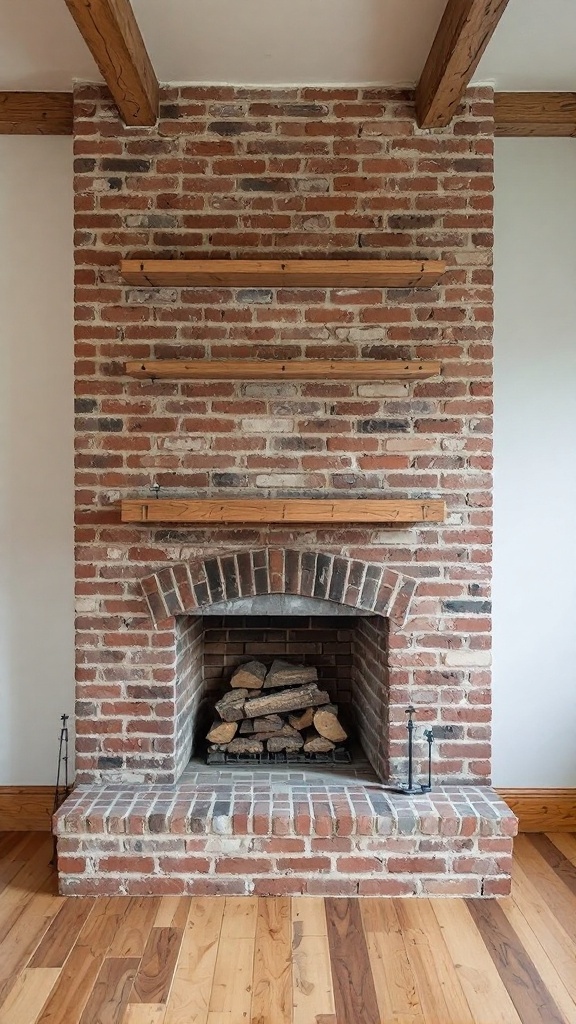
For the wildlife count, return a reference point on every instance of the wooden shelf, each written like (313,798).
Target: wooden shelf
(276,369)
(284,273)
(279,510)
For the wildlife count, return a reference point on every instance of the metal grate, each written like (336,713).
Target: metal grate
(338,756)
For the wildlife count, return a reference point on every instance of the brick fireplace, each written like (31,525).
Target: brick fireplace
(300,173)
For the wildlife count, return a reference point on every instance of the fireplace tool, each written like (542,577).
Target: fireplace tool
(62,789)
(423,787)
(429,737)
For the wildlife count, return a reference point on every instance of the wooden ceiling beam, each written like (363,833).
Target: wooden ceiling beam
(36,113)
(111,33)
(464,33)
(537,114)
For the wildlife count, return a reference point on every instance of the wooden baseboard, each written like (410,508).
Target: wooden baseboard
(26,808)
(542,810)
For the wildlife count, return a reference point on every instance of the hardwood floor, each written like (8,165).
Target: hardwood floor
(244,960)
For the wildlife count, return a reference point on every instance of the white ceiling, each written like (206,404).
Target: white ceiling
(290,42)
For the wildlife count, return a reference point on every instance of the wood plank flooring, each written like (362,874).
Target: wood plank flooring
(306,960)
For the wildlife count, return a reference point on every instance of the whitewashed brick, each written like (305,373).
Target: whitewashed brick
(467,659)
(383,390)
(267,425)
(289,480)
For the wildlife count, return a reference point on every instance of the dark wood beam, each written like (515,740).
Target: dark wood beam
(36,113)
(111,33)
(464,33)
(538,114)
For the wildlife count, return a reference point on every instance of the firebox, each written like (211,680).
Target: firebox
(346,652)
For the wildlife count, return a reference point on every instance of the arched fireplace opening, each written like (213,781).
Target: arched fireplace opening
(215,609)
(347,649)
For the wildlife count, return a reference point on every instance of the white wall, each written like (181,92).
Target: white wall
(36,452)
(535,464)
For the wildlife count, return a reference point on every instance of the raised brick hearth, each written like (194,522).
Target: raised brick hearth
(309,173)
(241,831)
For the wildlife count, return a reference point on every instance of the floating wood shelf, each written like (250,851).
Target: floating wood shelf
(276,369)
(283,273)
(279,510)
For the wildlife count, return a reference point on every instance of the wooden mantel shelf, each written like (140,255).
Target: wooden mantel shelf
(280,510)
(276,369)
(283,273)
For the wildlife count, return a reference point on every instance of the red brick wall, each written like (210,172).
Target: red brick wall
(340,173)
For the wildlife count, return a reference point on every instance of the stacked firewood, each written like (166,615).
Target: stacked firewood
(274,710)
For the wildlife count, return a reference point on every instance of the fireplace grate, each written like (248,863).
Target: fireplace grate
(340,755)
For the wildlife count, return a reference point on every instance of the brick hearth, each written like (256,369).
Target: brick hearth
(309,173)
(254,831)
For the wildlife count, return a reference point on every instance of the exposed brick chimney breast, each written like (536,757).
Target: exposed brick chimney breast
(309,173)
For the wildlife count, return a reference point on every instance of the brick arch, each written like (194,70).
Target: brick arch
(191,587)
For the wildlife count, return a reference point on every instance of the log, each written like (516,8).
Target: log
(302,721)
(283,673)
(268,724)
(327,724)
(316,744)
(245,745)
(222,732)
(287,700)
(288,743)
(231,706)
(251,675)
(286,731)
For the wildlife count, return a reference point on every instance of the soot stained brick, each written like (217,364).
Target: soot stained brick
(227,128)
(85,405)
(84,165)
(316,110)
(472,166)
(110,762)
(386,351)
(403,222)
(468,607)
(171,111)
(229,480)
(230,578)
(338,580)
(323,564)
(382,426)
(214,579)
(264,185)
(201,592)
(298,444)
(448,732)
(110,425)
(126,165)
(254,295)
